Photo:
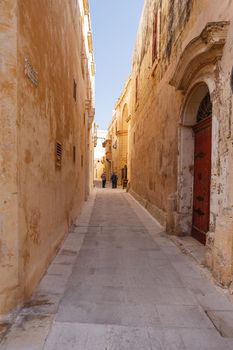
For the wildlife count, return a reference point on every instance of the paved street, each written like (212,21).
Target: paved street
(118,283)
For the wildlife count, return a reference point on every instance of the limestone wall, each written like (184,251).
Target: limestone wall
(157,137)
(117,147)
(45,59)
(9,197)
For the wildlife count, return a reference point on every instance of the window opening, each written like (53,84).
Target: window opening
(74,90)
(74,154)
(205,109)
(58,151)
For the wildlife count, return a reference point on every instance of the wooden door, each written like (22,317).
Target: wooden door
(202,179)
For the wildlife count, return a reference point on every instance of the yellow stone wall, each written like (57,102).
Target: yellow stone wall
(38,200)
(158,178)
(9,195)
(117,149)
(99,168)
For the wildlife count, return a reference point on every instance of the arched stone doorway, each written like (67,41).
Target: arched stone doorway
(194,175)
(195,77)
(202,170)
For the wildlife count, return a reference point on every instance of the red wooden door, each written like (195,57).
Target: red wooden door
(202,178)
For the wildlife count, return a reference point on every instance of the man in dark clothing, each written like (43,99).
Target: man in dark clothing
(104,179)
(114,180)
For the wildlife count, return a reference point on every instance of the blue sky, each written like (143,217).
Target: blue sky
(114,27)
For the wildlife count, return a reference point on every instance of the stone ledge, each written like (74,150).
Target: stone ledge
(191,247)
(157,213)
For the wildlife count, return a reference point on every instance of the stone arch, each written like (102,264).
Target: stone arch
(194,76)
(192,103)
(186,154)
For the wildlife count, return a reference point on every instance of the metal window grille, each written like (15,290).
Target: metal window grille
(74,154)
(58,154)
(74,90)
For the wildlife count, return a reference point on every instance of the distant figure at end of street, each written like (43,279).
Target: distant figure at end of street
(104,179)
(114,180)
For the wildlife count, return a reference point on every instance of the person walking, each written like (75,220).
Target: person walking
(114,180)
(104,179)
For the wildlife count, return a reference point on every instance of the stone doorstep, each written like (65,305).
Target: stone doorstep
(190,246)
(195,250)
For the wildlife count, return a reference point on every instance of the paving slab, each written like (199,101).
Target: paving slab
(223,321)
(72,336)
(183,316)
(199,339)
(28,333)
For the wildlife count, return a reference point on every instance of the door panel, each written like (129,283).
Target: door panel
(202,179)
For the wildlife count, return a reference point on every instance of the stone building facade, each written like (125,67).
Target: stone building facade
(117,141)
(99,154)
(181,123)
(47,109)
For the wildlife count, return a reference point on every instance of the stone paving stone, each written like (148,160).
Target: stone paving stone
(199,286)
(229,343)
(170,249)
(166,339)
(183,316)
(200,339)
(185,269)
(223,321)
(28,333)
(42,304)
(127,338)
(124,314)
(167,276)
(64,259)
(161,295)
(68,336)
(215,301)
(60,270)
(73,243)
(53,284)
(87,292)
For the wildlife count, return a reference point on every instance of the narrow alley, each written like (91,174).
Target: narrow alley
(118,282)
(116,181)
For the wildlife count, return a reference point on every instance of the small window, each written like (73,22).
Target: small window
(74,90)
(58,154)
(82,161)
(155,37)
(74,154)
(134,138)
(205,108)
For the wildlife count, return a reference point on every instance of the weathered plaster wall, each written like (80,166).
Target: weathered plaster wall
(9,242)
(117,147)
(156,120)
(220,254)
(122,138)
(49,34)
(50,198)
